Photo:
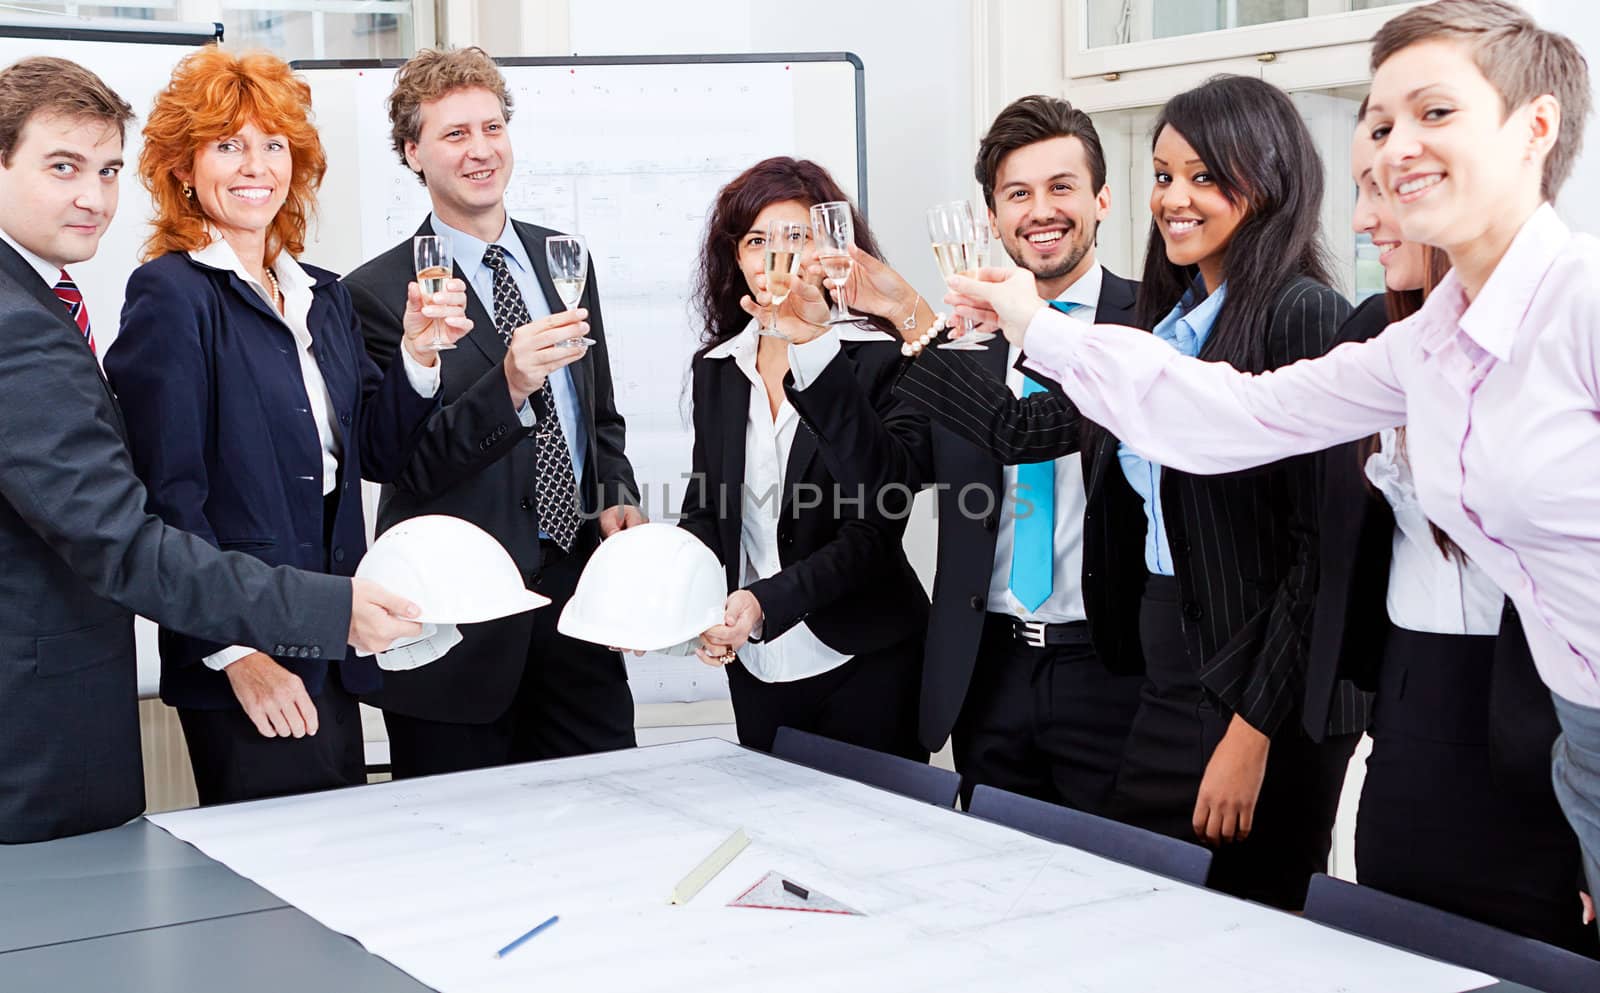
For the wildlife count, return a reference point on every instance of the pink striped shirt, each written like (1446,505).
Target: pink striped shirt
(1502,405)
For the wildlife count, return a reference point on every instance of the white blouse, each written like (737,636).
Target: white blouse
(797,653)
(1427,591)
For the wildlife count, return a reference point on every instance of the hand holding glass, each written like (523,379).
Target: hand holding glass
(786,242)
(569,270)
(834,230)
(431,255)
(961,247)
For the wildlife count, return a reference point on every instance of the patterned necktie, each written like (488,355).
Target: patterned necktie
(1033,546)
(67,293)
(557,486)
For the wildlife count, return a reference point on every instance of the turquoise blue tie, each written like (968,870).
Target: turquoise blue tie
(1033,549)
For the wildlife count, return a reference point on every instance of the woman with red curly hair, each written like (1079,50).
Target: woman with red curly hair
(253,411)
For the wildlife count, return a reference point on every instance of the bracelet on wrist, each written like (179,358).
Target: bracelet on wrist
(912,349)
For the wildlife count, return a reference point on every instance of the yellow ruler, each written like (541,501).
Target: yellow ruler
(714,863)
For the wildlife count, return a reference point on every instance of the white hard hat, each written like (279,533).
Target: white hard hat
(648,588)
(455,571)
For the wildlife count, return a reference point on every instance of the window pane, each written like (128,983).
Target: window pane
(1119,22)
(294,29)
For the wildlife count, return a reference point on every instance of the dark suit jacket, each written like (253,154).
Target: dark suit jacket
(1351,621)
(844,570)
(475,461)
(221,433)
(81,556)
(1352,617)
(956,458)
(1244,545)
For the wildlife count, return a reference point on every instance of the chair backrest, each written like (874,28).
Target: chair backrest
(1121,842)
(1429,931)
(917,780)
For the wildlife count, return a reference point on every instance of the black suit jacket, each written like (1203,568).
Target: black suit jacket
(1244,545)
(1351,621)
(844,571)
(210,383)
(955,456)
(475,461)
(1352,625)
(81,557)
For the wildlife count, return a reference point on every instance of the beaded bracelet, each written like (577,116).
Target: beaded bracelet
(911,349)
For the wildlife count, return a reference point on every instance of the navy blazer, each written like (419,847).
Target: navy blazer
(210,384)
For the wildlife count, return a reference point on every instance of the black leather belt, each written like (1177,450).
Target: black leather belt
(1038,634)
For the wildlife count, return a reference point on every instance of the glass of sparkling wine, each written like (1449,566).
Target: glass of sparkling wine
(786,242)
(835,232)
(431,254)
(568,256)
(960,246)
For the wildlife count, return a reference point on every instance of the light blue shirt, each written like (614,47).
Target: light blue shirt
(1186,330)
(468,254)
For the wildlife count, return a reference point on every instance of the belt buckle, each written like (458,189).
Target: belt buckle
(1031,633)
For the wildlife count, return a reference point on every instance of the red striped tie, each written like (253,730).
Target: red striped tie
(67,291)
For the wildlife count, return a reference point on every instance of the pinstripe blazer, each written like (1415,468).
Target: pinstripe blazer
(861,450)
(1244,545)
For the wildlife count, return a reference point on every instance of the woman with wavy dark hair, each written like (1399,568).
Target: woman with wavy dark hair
(253,411)
(823,629)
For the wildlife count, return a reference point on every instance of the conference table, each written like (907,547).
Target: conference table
(136,909)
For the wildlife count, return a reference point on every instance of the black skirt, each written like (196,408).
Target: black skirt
(1436,825)
(1178,726)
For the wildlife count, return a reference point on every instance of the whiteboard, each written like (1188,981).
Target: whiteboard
(630,152)
(135,59)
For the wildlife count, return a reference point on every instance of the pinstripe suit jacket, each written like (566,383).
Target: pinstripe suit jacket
(1244,545)
(862,450)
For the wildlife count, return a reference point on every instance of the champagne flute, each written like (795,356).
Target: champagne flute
(786,242)
(960,246)
(834,229)
(431,255)
(569,270)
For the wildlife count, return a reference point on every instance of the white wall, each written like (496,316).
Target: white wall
(1581,22)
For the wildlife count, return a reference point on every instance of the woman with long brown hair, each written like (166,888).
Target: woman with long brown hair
(823,630)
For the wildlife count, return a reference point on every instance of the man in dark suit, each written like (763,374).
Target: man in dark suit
(81,554)
(528,445)
(1009,672)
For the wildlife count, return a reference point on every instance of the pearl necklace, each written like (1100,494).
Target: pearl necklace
(276,293)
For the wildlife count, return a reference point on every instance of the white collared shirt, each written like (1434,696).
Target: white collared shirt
(48,271)
(1427,591)
(797,653)
(295,284)
(1065,603)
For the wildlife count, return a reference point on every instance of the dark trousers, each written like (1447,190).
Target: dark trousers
(1047,722)
(573,700)
(1177,728)
(870,701)
(1436,825)
(234,761)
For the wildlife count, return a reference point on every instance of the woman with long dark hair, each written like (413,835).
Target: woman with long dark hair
(1217,586)
(823,629)
(1461,728)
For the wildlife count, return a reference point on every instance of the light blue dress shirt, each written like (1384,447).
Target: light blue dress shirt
(1186,330)
(468,254)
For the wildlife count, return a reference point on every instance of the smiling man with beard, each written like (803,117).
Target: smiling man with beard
(1009,672)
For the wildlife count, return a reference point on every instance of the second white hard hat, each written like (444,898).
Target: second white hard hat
(650,587)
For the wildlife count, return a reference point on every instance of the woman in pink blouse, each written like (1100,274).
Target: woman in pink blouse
(1478,116)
